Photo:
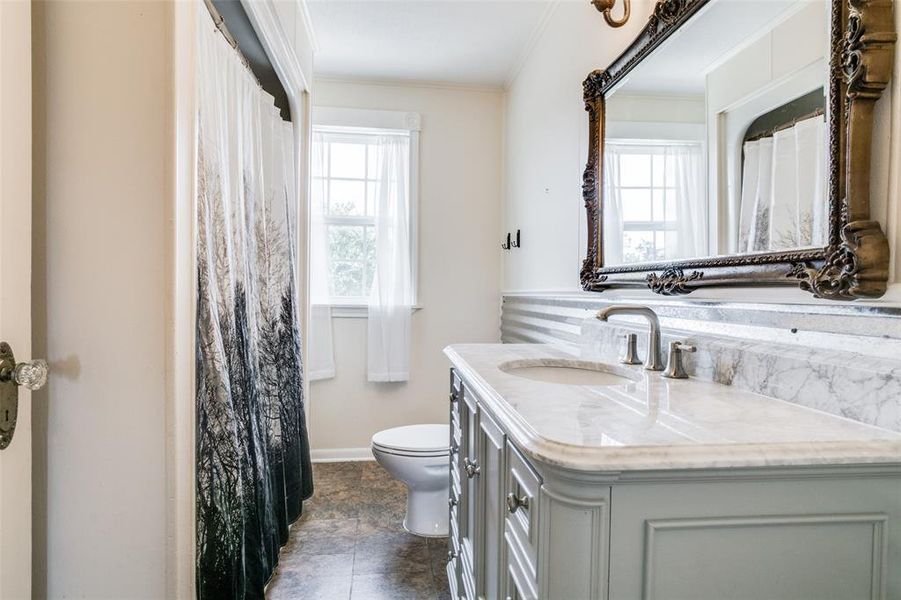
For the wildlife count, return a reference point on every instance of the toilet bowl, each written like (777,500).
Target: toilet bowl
(417,455)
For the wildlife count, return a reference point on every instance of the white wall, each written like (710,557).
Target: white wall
(546,141)
(546,145)
(459,262)
(101,136)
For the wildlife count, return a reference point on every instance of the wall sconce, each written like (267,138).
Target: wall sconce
(606,6)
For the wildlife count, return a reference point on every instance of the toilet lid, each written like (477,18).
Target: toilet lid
(414,438)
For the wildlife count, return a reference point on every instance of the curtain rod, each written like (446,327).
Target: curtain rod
(820,111)
(219,21)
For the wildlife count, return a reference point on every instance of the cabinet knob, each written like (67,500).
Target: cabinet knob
(451,555)
(452,502)
(471,467)
(515,502)
(453,397)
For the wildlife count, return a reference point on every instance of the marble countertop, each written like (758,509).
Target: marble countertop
(654,423)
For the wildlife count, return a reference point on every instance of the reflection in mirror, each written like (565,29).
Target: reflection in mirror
(716,143)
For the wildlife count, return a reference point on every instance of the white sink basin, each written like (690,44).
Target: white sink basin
(570,372)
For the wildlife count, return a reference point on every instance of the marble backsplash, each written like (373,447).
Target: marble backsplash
(853,371)
(860,387)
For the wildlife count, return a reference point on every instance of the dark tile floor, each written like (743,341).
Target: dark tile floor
(350,543)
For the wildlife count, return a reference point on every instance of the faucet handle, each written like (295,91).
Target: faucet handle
(631,355)
(674,367)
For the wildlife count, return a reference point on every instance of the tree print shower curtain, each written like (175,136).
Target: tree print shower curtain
(253,460)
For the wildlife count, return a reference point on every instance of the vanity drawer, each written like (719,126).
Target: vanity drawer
(521,503)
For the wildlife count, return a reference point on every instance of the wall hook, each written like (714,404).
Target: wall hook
(510,243)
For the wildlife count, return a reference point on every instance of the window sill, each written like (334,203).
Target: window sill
(356,311)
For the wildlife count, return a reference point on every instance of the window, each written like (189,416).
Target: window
(655,189)
(346,181)
(349,184)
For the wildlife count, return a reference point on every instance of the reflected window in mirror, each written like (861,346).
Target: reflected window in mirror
(655,201)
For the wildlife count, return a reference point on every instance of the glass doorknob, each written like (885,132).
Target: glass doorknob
(31,375)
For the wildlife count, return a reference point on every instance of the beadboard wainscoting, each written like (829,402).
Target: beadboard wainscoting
(841,359)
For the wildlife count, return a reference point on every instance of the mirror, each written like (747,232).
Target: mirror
(721,144)
(693,132)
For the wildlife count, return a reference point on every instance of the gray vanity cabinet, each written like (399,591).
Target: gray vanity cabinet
(524,529)
(476,503)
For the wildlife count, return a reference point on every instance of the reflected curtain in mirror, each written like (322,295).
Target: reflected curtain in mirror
(789,165)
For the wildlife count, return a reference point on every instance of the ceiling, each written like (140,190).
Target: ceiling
(681,65)
(473,42)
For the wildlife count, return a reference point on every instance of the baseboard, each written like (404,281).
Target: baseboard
(341,454)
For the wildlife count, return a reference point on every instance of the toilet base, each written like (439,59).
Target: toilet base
(427,514)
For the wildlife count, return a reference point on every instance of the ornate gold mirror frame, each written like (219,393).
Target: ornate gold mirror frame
(855,262)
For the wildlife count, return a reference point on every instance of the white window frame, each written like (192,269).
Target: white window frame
(369,122)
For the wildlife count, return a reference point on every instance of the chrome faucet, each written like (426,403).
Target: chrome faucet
(654,361)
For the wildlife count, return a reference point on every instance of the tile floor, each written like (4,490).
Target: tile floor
(350,543)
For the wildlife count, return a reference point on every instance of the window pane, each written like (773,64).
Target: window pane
(659,160)
(671,251)
(372,197)
(347,197)
(346,279)
(320,167)
(659,206)
(370,258)
(345,242)
(635,170)
(660,244)
(638,246)
(636,205)
(372,164)
(348,160)
(671,212)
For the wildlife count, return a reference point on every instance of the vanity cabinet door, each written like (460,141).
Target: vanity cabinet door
(746,540)
(491,551)
(468,470)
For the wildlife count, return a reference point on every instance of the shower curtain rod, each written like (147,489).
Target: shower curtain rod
(771,132)
(219,21)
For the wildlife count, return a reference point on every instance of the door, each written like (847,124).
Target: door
(15,287)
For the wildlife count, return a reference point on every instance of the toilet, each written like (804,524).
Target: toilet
(417,455)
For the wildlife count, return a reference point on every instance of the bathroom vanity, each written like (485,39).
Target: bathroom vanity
(573,480)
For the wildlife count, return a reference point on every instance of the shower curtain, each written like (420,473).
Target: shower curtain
(782,196)
(253,463)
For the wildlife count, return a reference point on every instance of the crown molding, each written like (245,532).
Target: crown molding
(439,85)
(534,37)
(308,25)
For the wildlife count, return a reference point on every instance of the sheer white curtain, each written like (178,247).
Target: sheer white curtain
(691,207)
(683,172)
(613,206)
(783,202)
(391,297)
(321,355)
